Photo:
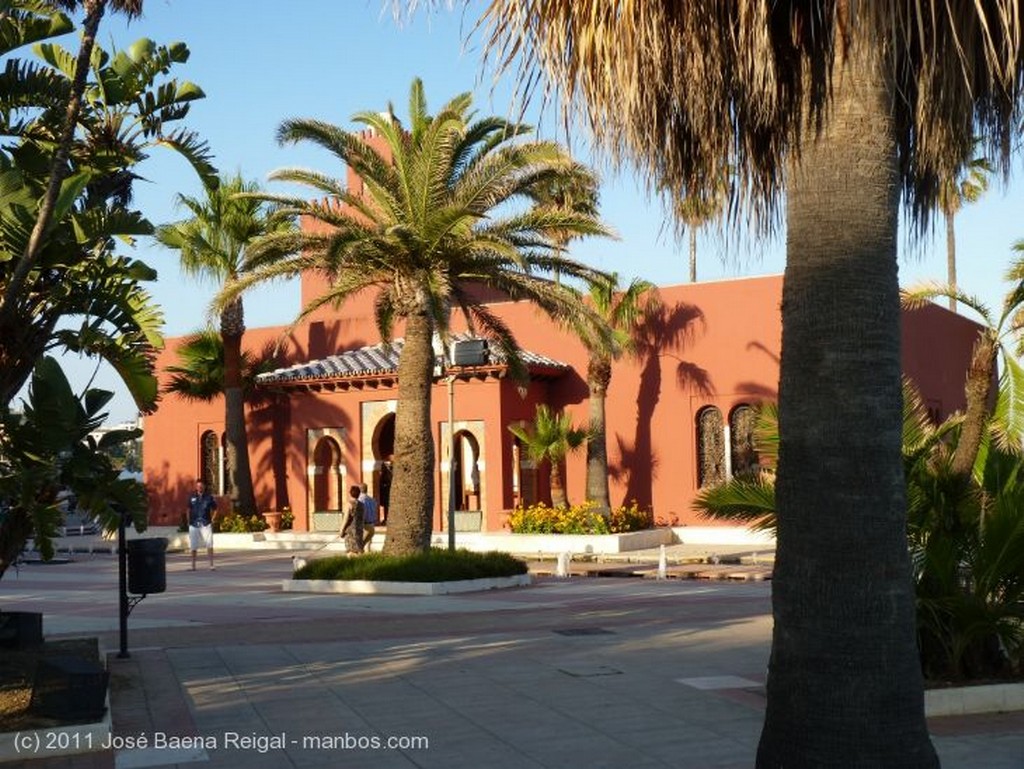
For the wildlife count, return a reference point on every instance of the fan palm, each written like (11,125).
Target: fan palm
(199,374)
(551,438)
(847,108)
(697,209)
(965,184)
(213,245)
(443,207)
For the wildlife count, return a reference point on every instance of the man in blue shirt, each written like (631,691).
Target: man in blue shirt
(201,507)
(369,516)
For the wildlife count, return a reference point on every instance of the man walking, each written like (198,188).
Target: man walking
(201,506)
(369,516)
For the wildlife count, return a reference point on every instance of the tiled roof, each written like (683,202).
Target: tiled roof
(382,359)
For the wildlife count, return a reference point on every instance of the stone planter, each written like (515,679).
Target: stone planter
(273,519)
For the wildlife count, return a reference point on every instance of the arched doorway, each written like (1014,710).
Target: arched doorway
(326,474)
(467,471)
(383,444)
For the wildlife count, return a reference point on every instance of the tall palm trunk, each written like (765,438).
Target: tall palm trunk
(844,677)
(232,329)
(951,256)
(599,373)
(693,254)
(412,485)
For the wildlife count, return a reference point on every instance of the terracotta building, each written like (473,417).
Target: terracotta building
(677,412)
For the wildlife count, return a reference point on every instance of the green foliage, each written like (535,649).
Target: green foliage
(578,519)
(967,545)
(287,518)
(74,283)
(432,566)
(966,538)
(47,448)
(551,436)
(199,373)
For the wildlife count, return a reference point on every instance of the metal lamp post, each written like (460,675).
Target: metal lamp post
(451,461)
(465,352)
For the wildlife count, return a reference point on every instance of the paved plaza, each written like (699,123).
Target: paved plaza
(226,670)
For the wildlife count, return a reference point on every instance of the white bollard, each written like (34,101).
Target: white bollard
(562,566)
(662,564)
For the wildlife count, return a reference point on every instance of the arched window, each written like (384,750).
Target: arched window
(710,447)
(741,439)
(209,460)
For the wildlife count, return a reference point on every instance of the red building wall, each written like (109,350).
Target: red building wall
(712,344)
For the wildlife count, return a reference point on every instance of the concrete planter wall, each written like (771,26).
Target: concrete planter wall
(579,544)
(365,587)
(964,700)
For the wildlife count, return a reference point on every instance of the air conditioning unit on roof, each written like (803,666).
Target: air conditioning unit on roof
(469,352)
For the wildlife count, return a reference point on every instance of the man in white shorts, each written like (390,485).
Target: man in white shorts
(201,506)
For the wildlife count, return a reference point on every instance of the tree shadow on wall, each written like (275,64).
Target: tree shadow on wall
(168,495)
(665,333)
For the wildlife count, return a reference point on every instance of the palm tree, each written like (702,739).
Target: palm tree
(848,109)
(551,437)
(966,184)
(696,209)
(995,407)
(621,313)
(437,214)
(199,374)
(575,191)
(213,245)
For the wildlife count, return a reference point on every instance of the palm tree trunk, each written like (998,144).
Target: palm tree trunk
(59,169)
(693,254)
(599,372)
(978,392)
(558,498)
(844,680)
(412,485)
(951,257)
(232,329)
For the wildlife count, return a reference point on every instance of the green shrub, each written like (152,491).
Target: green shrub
(432,566)
(578,519)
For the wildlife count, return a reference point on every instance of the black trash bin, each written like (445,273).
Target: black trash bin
(147,565)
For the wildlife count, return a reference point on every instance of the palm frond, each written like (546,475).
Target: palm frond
(749,501)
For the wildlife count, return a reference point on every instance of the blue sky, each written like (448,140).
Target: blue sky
(261,62)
